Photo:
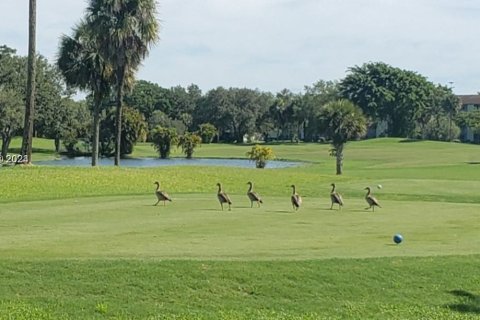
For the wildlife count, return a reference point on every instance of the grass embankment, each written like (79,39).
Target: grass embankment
(87,242)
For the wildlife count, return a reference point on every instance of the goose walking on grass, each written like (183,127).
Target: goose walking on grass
(253,196)
(371,200)
(295,198)
(161,195)
(223,197)
(336,197)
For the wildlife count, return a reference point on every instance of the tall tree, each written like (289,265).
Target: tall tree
(148,97)
(11,117)
(244,111)
(342,121)
(84,67)
(48,95)
(30,98)
(12,70)
(134,129)
(390,94)
(315,97)
(124,30)
(286,111)
(77,121)
(212,109)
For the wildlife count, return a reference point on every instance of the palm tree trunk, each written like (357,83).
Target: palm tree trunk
(5,143)
(339,155)
(30,99)
(118,118)
(57,143)
(96,130)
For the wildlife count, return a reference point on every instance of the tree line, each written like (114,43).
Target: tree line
(102,55)
(407,103)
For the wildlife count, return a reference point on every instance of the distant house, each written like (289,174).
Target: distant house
(469,102)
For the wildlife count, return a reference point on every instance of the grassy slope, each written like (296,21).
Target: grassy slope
(429,194)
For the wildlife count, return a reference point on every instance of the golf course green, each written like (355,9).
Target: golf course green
(88,243)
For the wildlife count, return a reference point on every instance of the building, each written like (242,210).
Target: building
(469,102)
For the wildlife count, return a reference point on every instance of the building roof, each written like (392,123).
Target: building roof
(469,98)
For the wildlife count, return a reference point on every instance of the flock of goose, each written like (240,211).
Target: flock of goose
(253,196)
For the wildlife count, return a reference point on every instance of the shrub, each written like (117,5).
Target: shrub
(134,129)
(260,155)
(207,131)
(440,128)
(188,142)
(163,138)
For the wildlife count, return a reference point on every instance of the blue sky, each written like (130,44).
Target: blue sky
(276,44)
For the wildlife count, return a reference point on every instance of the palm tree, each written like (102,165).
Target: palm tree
(83,67)
(124,31)
(30,99)
(342,121)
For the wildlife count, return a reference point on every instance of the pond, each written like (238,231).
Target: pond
(155,162)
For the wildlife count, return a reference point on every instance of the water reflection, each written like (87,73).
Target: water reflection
(155,162)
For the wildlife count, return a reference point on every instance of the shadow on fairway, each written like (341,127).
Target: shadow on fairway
(469,302)
(363,210)
(409,140)
(332,210)
(280,211)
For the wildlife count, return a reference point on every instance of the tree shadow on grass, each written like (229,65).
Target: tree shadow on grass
(280,211)
(469,302)
(366,211)
(34,150)
(409,140)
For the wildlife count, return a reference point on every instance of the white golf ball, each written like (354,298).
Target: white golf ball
(379,186)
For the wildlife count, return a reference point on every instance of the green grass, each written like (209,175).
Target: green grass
(389,288)
(131,227)
(86,243)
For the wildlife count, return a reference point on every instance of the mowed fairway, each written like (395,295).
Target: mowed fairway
(83,243)
(194,227)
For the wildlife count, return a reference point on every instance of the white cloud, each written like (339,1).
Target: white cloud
(275,44)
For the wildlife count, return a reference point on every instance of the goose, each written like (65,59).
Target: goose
(296,198)
(161,195)
(336,197)
(253,196)
(371,200)
(223,197)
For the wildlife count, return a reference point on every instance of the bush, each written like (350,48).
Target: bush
(161,119)
(163,139)
(188,142)
(260,155)
(134,129)
(207,131)
(439,129)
